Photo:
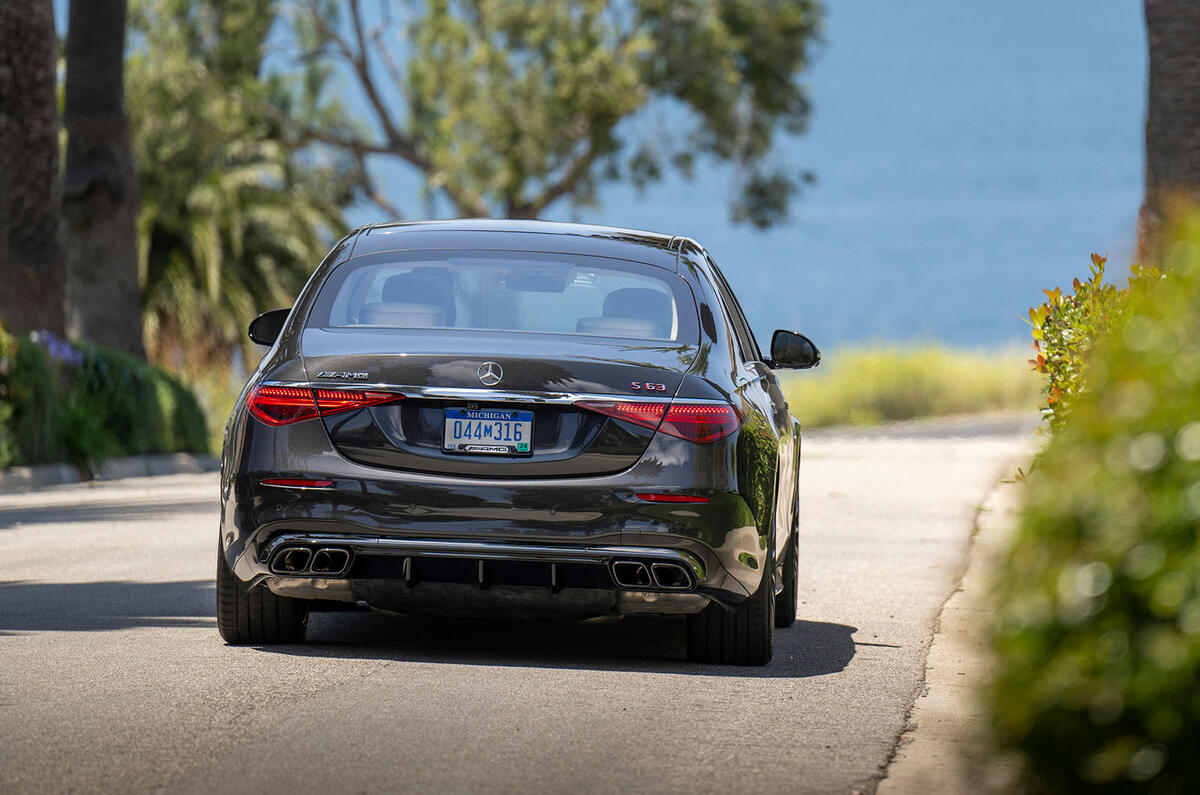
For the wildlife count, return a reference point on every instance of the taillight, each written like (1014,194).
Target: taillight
(280,405)
(283,405)
(703,423)
(648,415)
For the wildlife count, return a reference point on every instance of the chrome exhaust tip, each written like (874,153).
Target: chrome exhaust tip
(291,560)
(671,576)
(631,574)
(330,560)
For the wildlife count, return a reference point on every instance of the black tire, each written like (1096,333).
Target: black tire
(743,636)
(785,601)
(255,615)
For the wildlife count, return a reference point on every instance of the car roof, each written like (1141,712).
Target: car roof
(503,233)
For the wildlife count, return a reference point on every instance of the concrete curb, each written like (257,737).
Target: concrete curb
(18,479)
(945,747)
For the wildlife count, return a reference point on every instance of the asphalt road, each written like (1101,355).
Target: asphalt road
(113,677)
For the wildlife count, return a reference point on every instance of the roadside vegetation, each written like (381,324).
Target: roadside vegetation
(81,404)
(876,384)
(1098,633)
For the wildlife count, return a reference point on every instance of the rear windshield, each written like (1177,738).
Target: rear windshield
(507,291)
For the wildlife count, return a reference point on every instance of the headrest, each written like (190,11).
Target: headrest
(642,303)
(423,286)
(634,328)
(399,315)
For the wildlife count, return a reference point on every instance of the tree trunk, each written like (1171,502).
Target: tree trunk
(31,254)
(1172,117)
(100,200)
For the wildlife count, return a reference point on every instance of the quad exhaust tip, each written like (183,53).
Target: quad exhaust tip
(326,561)
(635,575)
(331,560)
(631,574)
(291,560)
(671,576)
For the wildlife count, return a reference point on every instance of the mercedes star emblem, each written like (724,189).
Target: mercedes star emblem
(490,373)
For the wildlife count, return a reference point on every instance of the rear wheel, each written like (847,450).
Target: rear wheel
(255,615)
(785,602)
(743,636)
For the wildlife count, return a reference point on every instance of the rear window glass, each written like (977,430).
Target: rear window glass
(507,291)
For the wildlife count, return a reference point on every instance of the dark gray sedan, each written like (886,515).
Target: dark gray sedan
(514,419)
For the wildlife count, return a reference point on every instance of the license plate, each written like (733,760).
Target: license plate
(488,431)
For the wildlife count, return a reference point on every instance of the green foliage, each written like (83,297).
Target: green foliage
(83,404)
(142,408)
(1064,329)
(233,219)
(506,106)
(1098,634)
(8,445)
(872,385)
(32,385)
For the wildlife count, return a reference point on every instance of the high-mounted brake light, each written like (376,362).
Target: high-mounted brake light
(702,423)
(283,405)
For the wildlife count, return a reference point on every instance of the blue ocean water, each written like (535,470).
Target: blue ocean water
(967,154)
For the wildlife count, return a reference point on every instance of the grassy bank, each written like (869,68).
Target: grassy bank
(876,384)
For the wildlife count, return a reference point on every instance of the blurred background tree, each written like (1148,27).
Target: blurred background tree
(505,107)
(1172,117)
(233,217)
(31,254)
(99,191)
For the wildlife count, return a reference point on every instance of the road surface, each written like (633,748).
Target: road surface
(113,677)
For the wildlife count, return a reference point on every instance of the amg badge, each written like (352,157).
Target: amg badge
(343,376)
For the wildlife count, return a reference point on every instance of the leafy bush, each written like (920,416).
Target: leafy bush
(81,404)
(873,385)
(8,445)
(1065,327)
(1098,632)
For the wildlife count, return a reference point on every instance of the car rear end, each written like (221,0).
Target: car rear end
(497,432)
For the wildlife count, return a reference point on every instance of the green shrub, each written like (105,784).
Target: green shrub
(8,444)
(883,384)
(81,404)
(1065,327)
(1098,630)
(32,386)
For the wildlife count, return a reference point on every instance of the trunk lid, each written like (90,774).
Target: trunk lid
(441,369)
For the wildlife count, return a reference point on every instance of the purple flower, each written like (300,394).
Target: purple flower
(59,349)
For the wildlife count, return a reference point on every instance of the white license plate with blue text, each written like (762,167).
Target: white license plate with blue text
(502,431)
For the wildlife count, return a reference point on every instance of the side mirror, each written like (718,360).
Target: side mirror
(265,328)
(794,351)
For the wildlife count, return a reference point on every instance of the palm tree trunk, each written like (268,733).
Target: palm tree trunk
(31,254)
(100,199)
(1172,117)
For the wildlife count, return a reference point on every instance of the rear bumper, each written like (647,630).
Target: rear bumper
(533,529)
(511,577)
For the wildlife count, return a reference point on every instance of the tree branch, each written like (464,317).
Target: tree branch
(372,193)
(568,180)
